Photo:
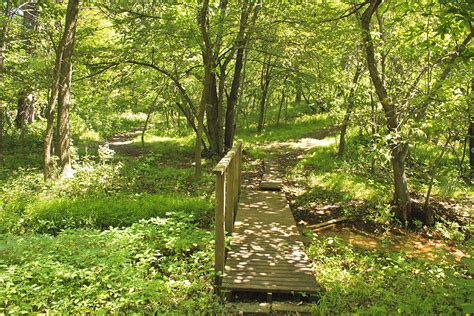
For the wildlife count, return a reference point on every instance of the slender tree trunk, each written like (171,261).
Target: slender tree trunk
(48,136)
(298,89)
(373,127)
(263,98)
(145,126)
(230,117)
(26,98)
(282,100)
(241,97)
(429,214)
(347,116)
(264,83)
(2,115)
(3,47)
(200,126)
(471,129)
(64,89)
(398,148)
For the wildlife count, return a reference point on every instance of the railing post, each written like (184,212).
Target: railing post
(239,161)
(228,186)
(235,178)
(220,230)
(229,210)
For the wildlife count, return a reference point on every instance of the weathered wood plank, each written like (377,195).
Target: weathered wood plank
(271,180)
(266,252)
(270,288)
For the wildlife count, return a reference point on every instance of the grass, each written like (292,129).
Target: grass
(368,282)
(298,127)
(54,215)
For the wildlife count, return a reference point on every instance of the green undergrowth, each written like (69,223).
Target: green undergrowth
(53,215)
(161,265)
(130,232)
(299,127)
(359,178)
(368,282)
(346,182)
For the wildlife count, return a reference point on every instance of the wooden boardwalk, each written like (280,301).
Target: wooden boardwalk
(266,251)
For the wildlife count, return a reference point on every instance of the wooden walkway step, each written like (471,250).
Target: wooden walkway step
(271,180)
(266,252)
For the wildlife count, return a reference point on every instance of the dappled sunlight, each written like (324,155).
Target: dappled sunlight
(266,251)
(301,144)
(412,244)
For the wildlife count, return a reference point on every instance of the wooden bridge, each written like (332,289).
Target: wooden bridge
(266,252)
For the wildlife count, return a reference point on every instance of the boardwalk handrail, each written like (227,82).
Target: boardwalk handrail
(228,187)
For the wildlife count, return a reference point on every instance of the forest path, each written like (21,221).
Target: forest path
(356,232)
(123,143)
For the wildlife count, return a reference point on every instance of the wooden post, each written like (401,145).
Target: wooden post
(220,231)
(228,181)
(228,201)
(239,148)
(235,179)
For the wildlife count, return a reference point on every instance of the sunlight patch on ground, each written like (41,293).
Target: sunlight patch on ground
(121,143)
(303,143)
(157,139)
(411,244)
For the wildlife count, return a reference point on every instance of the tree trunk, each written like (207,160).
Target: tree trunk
(282,100)
(429,214)
(200,127)
(298,90)
(211,101)
(64,88)
(398,147)
(264,83)
(230,117)
(263,98)
(145,126)
(373,127)
(471,129)
(3,47)
(402,194)
(26,99)
(347,116)
(2,115)
(48,136)
(25,110)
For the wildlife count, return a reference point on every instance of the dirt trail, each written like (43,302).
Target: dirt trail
(357,234)
(122,143)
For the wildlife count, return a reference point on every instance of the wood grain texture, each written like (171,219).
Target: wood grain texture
(266,253)
(271,180)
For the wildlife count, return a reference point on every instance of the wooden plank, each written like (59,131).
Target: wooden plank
(273,288)
(273,283)
(266,252)
(274,278)
(271,179)
(282,269)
